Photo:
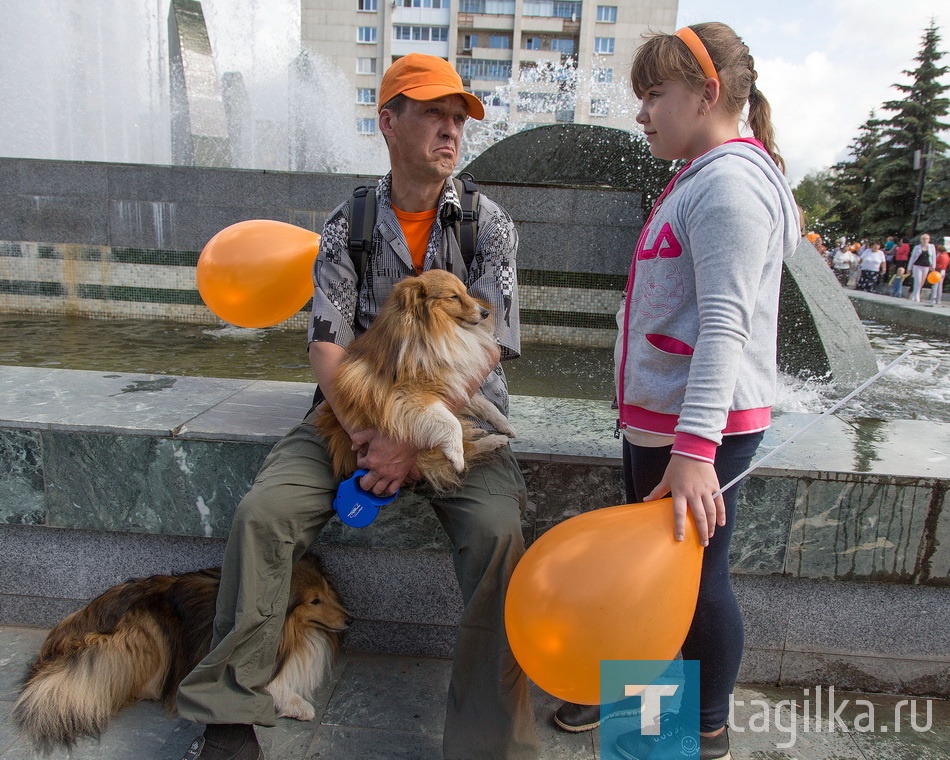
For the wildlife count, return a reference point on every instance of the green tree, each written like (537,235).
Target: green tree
(852,181)
(814,194)
(935,217)
(914,126)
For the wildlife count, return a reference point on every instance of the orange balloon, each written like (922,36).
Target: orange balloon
(257,273)
(611,584)
(934,277)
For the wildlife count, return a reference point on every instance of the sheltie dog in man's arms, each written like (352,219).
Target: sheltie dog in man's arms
(139,639)
(407,373)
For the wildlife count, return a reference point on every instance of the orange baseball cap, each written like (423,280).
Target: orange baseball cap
(426,77)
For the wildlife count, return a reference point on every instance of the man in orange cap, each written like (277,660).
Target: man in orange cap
(489,716)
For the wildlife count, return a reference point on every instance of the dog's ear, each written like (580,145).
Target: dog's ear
(411,295)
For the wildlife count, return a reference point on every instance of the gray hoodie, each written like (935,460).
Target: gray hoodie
(697,347)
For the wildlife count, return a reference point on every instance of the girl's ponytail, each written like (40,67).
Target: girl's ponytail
(760,119)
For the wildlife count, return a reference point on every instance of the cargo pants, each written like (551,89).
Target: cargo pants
(488,712)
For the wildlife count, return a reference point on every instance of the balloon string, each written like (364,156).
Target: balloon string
(819,418)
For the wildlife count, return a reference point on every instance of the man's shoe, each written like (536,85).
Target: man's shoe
(225,742)
(577,718)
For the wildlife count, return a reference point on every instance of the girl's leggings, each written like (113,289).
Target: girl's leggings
(716,636)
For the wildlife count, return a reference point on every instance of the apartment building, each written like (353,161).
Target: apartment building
(530,61)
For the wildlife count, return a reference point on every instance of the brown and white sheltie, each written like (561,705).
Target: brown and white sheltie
(430,342)
(139,639)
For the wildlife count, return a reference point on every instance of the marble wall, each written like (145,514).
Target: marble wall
(842,570)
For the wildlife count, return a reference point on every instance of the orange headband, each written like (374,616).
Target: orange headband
(698,49)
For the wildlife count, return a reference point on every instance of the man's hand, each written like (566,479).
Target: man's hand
(390,463)
(692,484)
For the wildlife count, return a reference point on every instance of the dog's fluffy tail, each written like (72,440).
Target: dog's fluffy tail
(75,691)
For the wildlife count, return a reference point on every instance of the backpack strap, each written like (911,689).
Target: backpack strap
(362,222)
(466,228)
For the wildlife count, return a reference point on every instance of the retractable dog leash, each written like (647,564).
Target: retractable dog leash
(356,506)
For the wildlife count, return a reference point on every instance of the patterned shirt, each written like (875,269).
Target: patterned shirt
(340,314)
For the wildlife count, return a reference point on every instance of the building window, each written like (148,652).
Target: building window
(604,45)
(366,95)
(536,102)
(424,3)
(481,68)
(531,43)
(366,5)
(489,7)
(365,65)
(366,126)
(469,41)
(421,33)
(607,14)
(490,97)
(604,75)
(567,9)
(563,46)
(499,41)
(366,34)
(599,107)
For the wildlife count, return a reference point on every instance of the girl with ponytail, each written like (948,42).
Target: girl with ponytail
(696,353)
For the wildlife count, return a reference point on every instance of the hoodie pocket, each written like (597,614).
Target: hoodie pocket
(669,345)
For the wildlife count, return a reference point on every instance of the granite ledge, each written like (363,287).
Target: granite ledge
(549,429)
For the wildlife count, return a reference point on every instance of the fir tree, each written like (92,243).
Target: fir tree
(852,182)
(935,218)
(913,127)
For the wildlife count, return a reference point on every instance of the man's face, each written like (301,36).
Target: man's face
(426,138)
(925,239)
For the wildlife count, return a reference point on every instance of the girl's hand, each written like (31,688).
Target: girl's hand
(692,484)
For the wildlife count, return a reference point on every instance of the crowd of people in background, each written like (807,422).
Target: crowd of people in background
(894,267)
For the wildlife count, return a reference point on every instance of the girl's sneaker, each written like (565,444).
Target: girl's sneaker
(673,743)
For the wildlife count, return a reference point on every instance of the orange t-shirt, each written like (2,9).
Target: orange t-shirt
(417,227)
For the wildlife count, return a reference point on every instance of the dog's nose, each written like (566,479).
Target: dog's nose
(349,621)
(485,313)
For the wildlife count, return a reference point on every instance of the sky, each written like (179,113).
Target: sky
(824,65)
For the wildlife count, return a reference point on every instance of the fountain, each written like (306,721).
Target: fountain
(147,470)
(117,106)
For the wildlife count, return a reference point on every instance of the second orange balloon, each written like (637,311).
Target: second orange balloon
(611,584)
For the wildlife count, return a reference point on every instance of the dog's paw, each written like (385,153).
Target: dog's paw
(486,443)
(506,429)
(296,707)
(455,455)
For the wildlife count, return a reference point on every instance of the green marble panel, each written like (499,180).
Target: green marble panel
(763,516)
(870,529)
(22,500)
(94,481)
(147,485)
(193,487)
(936,560)
(558,490)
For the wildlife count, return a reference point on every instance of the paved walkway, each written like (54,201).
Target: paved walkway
(381,707)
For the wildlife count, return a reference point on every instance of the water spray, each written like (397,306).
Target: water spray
(819,418)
